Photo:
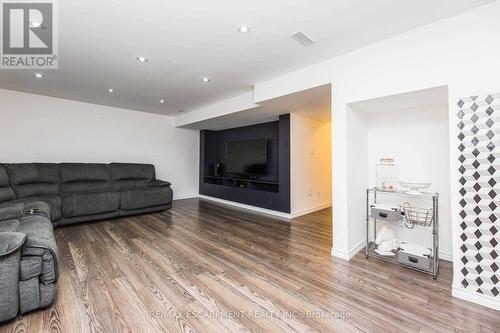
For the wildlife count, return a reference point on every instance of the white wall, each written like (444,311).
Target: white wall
(310,169)
(418,140)
(36,128)
(459,52)
(357,176)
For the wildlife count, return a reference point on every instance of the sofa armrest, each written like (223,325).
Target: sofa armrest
(159,183)
(11,211)
(37,208)
(10,258)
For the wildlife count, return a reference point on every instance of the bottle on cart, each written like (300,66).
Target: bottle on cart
(386,174)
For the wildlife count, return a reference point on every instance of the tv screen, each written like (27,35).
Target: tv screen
(247,157)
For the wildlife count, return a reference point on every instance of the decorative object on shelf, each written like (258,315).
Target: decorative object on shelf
(218,170)
(417,216)
(415,187)
(386,242)
(386,174)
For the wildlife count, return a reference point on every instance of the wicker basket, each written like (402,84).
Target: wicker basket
(417,216)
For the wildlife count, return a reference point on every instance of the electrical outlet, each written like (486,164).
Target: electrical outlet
(310,193)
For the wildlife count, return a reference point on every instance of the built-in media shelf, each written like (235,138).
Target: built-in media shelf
(244,179)
(247,183)
(221,177)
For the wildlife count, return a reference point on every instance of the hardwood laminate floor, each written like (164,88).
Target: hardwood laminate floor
(203,267)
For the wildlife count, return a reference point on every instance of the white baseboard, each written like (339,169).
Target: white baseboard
(348,255)
(186,196)
(481,299)
(258,209)
(446,256)
(248,207)
(311,210)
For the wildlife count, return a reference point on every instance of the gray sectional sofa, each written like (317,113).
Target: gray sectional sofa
(36,197)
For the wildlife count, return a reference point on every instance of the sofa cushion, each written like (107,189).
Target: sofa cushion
(6,192)
(78,204)
(84,177)
(9,225)
(33,179)
(11,210)
(129,184)
(145,197)
(159,183)
(132,171)
(10,242)
(131,176)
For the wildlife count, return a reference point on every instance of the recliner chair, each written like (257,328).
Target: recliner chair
(28,259)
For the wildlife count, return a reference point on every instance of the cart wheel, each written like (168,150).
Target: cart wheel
(434,277)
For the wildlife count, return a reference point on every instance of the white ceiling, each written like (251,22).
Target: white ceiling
(314,103)
(418,99)
(186,40)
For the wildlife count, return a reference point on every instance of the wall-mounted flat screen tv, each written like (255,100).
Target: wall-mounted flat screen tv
(247,157)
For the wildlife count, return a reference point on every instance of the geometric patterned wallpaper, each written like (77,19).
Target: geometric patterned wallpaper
(479,124)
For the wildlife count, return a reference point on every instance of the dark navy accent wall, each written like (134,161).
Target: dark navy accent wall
(271,191)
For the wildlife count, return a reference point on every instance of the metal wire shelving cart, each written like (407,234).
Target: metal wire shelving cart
(411,216)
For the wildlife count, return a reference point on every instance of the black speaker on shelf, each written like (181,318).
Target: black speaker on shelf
(218,170)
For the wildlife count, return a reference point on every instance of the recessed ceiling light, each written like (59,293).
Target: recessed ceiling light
(39,75)
(206,79)
(162,101)
(111,90)
(244,29)
(142,59)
